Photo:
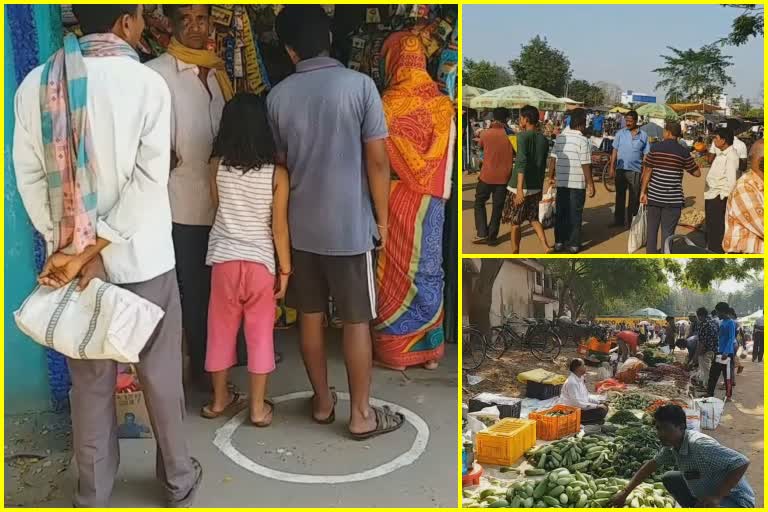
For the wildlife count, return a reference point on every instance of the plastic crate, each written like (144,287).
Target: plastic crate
(542,391)
(550,428)
(505,442)
(508,407)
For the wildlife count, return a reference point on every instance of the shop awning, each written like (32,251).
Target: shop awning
(682,108)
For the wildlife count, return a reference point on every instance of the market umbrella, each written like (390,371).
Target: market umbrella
(468,92)
(569,101)
(517,96)
(649,313)
(618,110)
(658,110)
(693,115)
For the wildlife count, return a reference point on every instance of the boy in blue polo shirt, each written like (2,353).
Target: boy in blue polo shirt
(726,341)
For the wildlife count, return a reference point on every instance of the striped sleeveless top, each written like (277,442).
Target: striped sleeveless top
(242,230)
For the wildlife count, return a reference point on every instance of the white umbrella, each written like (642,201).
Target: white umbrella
(649,313)
(517,96)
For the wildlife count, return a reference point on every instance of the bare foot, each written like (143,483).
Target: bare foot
(431,365)
(363,423)
(322,406)
(261,414)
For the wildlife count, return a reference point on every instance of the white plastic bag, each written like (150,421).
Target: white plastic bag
(711,409)
(103,321)
(547,208)
(693,419)
(639,230)
(604,372)
(488,416)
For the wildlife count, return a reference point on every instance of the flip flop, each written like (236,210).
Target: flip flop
(236,405)
(331,417)
(386,421)
(264,424)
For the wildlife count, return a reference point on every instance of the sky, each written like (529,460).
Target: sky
(597,39)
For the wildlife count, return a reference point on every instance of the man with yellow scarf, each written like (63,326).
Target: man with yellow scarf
(199,89)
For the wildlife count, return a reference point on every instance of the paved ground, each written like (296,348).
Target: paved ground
(597,236)
(296,445)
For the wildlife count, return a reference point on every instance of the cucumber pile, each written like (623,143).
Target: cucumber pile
(623,401)
(592,454)
(563,489)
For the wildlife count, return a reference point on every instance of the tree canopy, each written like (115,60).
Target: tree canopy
(747,25)
(694,75)
(590,287)
(484,74)
(541,66)
(591,94)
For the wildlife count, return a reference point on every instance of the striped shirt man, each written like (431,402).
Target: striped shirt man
(668,160)
(571,151)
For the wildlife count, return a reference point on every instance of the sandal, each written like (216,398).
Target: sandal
(386,421)
(264,424)
(331,417)
(236,405)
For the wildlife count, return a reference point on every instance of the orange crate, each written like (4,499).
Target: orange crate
(505,442)
(550,428)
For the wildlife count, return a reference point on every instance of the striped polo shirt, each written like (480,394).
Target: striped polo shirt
(242,230)
(668,160)
(571,151)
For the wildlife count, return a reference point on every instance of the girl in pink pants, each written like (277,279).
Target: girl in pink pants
(251,225)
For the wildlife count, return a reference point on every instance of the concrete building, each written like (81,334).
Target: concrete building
(519,286)
(628,97)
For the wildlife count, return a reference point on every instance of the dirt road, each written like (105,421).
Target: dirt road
(741,427)
(597,236)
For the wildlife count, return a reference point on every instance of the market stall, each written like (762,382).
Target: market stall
(532,452)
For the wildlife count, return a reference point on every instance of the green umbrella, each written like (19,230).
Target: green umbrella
(517,96)
(468,92)
(658,111)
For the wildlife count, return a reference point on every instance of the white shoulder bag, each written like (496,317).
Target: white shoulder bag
(103,321)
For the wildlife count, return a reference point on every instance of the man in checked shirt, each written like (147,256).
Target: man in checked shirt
(708,475)
(744,213)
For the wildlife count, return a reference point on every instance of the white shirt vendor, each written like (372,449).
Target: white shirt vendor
(192,132)
(574,393)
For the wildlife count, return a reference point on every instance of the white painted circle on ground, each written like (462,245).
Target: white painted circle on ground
(223,441)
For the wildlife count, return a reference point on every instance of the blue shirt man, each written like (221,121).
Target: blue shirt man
(630,145)
(727,337)
(597,123)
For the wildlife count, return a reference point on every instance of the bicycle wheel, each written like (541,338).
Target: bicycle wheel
(472,349)
(610,183)
(545,345)
(496,343)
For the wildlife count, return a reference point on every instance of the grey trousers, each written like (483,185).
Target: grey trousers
(94,424)
(665,218)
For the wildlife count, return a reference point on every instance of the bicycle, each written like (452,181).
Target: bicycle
(601,163)
(473,348)
(539,337)
(574,333)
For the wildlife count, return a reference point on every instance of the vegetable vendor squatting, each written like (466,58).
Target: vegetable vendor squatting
(710,474)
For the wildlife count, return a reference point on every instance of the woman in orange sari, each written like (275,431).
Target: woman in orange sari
(422,134)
